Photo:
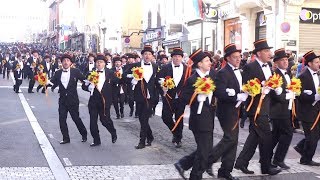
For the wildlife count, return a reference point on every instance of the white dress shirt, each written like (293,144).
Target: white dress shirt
(177,74)
(102,79)
(65,77)
(286,75)
(21,64)
(237,74)
(109,65)
(266,69)
(91,66)
(48,66)
(147,71)
(315,78)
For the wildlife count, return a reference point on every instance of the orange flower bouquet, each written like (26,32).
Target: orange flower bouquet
(41,67)
(253,88)
(204,88)
(295,88)
(274,82)
(3,62)
(118,74)
(17,67)
(93,78)
(167,83)
(137,73)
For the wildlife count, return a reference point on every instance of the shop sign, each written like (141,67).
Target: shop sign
(292,43)
(309,16)
(153,35)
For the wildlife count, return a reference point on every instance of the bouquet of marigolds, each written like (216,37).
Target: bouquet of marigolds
(295,88)
(274,82)
(41,67)
(118,74)
(41,78)
(318,92)
(93,78)
(253,88)
(204,88)
(137,73)
(3,62)
(17,67)
(167,83)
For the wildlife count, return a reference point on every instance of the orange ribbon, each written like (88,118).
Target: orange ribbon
(168,96)
(315,122)
(144,92)
(180,118)
(237,122)
(258,108)
(293,113)
(250,104)
(104,102)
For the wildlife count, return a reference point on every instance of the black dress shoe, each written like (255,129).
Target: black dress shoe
(118,116)
(281,164)
(178,144)
(180,170)
(122,115)
(140,146)
(95,144)
(114,138)
(84,139)
(311,163)
(227,176)
(300,151)
(64,141)
(210,172)
(30,92)
(271,171)
(244,169)
(130,114)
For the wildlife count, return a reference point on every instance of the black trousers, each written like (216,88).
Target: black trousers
(32,81)
(5,71)
(130,98)
(170,107)
(144,111)
(310,142)
(74,112)
(258,135)
(226,149)
(95,110)
(282,133)
(118,103)
(17,85)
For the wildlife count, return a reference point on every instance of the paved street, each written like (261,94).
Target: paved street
(30,146)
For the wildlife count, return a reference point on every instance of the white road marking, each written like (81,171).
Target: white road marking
(32,107)
(67,162)
(52,158)
(318,177)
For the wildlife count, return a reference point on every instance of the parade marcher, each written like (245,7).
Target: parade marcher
(100,100)
(41,69)
(170,97)
(109,60)
(67,79)
(124,60)
(17,72)
(228,92)
(308,109)
(31,65)
(145,94)
(118,94)
(6,66)
(90,65)
(260,132)
(47,66)
(129,91)
(280,115)
(201,124)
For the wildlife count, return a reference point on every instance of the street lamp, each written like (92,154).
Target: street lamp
(104,36)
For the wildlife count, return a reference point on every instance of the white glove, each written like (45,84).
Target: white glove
(290,95)
(134,81)
(317,97)
(86,82)
(161,80)
(231,92)
(201,97)
(278,90)
(308,92)
(91,87)
(266,90)
(49,82)
(129,76)
(242,96)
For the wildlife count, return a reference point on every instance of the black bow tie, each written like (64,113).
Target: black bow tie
(108,62)
(90,63)
(177,66)
(314,73)
(235,69)
(264,65)
(100,71)
(286,73)
(147,64)
(64,71)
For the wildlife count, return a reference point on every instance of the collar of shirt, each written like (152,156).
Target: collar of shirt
(312,72)
(66,70)
(261,63)
(283,71)
(178,66)
(142,63)
(201,74)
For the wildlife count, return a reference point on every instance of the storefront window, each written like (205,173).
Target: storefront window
(232,32)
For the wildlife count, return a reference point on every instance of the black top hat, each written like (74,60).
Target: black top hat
(100,57)
(34,51)
(197,56)
(177,51)
(280,53)
(309,56)
(124,57)
(229,49)
(147,48)
(260,45)
(130,55)
(47,57)
(67,56)
(163,56)
(116,58)
(108,54)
